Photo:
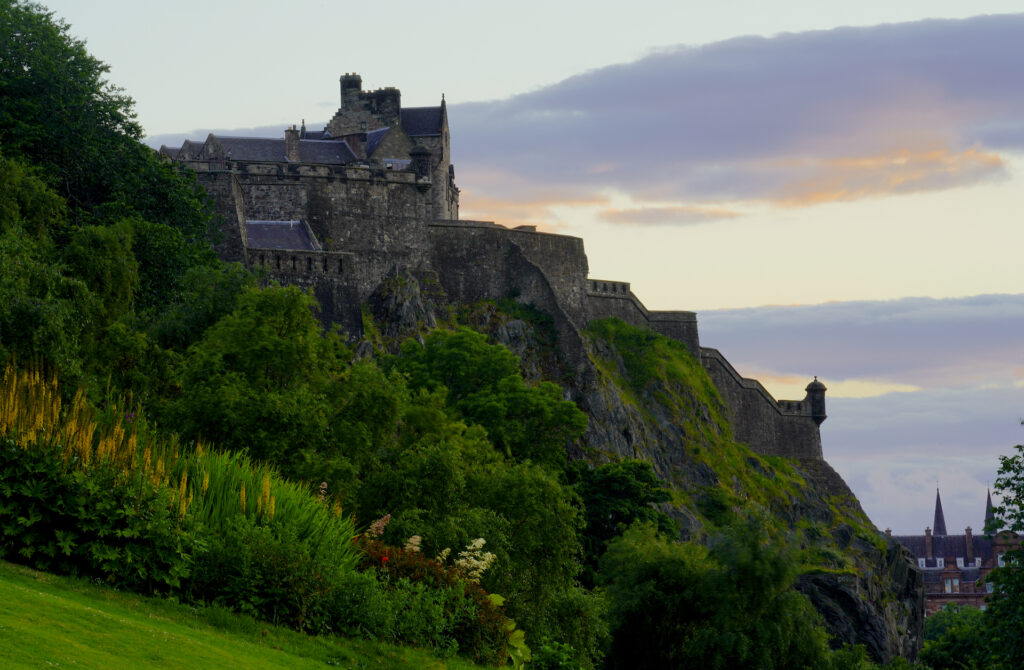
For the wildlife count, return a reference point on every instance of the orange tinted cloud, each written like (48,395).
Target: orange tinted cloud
(513,213)
(671,215)
(896,171)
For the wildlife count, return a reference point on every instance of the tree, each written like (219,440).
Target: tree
(616,495)
(485,387)
(1004,617)
(955,640)
(733,605)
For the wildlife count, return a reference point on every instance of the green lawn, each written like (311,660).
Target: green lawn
(49,621)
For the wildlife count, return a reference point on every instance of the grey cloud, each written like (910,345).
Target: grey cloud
(722,120)
(920,341)
(666,215)
(892,449)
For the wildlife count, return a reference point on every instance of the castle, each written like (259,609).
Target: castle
(339,210)
(955,566)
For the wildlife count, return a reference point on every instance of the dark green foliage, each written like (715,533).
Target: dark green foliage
(955,639)
(614,496)
(486,388)
(730,606)
(267,572)
(101,256)
(92,523)
(204,295)
(259,379)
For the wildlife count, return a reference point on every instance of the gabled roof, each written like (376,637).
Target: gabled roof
(291,235)
(316,134)
(422,121)
(170,152)
(374,138)
(939,527)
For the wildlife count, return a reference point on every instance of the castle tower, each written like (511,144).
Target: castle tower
(940,519)
(816,396)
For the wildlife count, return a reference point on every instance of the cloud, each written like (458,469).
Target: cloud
(930,343)
(671,215)
(893,449)
(796,119)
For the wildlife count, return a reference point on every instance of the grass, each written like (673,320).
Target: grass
(49,621)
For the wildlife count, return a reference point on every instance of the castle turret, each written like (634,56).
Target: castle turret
(816,396)
(420,156)
(351,87)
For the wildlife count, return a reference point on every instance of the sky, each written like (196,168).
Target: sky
(835,188)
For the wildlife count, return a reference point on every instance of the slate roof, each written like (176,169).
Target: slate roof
(422,121)
(280,235)
(169,151)
(262,149)
(316,134)
(374,138)
(947,546)
(329,152)
(270,150)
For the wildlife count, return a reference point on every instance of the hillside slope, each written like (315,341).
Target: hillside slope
(648,398)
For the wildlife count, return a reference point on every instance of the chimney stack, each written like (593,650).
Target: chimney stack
(928,543)
(970,545)
(291,144)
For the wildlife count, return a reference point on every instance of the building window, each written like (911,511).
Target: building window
(959,561)
(989,587)
(956,585)
(1000,558)
(949,586)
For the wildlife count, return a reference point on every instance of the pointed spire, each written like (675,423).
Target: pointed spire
(940,519)
(989,512)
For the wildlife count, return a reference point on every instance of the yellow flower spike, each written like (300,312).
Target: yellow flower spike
(206,482)
(272,507)
(242,496)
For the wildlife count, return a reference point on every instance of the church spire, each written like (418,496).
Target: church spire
(989,512)
(939,527)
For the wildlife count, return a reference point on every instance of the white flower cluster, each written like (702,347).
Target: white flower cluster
(473,561)
(413,543)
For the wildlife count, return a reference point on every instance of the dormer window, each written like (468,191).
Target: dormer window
(960,561)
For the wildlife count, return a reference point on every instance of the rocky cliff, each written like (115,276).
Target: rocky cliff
(648,398)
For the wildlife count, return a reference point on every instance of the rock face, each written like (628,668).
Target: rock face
(648,398)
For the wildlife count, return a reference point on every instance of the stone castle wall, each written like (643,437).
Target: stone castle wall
(780,428)
(371,222)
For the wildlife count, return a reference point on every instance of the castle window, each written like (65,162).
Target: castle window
(293,262)
(325,263)
(309,264)
(339,266)
(277,261)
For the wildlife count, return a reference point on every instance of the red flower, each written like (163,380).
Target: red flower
(384,558)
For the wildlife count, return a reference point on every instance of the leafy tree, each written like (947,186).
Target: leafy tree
(58,111)
(1004,617)
(955,639)
(485,387)
(259,379)
(730,606)
(616,495)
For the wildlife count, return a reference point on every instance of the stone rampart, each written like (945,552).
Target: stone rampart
(615,299)
(780,428)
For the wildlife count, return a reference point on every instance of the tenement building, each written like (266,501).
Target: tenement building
(955,566)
